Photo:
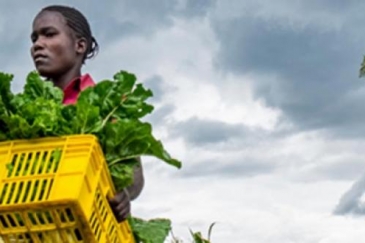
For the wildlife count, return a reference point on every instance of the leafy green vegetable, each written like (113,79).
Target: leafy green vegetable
(152,231)
(111,110)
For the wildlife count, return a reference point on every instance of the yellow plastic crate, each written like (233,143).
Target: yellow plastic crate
(56,190)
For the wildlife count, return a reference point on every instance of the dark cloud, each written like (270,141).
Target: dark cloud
(159,115)
(119,19)
(313,70)
(196,8)
(338,6)
(350,202)
(159,88)
(156,85)
(201,132)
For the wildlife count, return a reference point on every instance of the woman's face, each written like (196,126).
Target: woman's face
(54,50)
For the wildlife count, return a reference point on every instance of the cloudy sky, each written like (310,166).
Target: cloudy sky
(261,100)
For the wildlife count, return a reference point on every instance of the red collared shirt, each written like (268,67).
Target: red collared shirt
(73,89)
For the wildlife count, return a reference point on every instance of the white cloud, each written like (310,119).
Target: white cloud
(183,56)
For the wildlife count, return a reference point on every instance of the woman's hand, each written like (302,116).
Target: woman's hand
(121,205)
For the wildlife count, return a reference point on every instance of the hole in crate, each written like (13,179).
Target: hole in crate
(48,192)
(41,189)
(4,222)
(111,228)
(78,234)
(34,191)
(105,215)
(62,216)
(19,191)
(27,189)
(33,169)
(93,221)
(25,164)
(44,190)
(41,218)
(19,219)
(44,161)
(3,193)
(70,215)
(49,217)
(11,192)
(55,159)
(33,218)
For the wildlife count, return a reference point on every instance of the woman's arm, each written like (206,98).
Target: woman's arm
(120,204)
(135,189)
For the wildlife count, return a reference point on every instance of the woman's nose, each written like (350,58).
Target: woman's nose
(38,45)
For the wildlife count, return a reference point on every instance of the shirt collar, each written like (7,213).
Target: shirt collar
(79,84)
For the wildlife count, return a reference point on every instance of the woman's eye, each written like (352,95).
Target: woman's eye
(50,34)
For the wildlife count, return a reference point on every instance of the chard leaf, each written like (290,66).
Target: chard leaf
(88,118)
(36,87)
(151,231)
(5,93)
(122,173)
(126,139)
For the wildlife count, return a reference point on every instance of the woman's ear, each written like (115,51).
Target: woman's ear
(81,46)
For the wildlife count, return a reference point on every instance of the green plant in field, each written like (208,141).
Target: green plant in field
(197,236)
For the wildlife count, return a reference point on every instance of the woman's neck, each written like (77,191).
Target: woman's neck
(63,80)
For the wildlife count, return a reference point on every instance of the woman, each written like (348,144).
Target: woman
(62,41)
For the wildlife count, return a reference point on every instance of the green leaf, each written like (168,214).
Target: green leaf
(88,119)
(152,231)
(126,139)
(36,87)
(122,174)
(5,93)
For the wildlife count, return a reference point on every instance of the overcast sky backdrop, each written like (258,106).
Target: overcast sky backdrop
(261,100)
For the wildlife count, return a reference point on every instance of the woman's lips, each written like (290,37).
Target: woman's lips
(40,58)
